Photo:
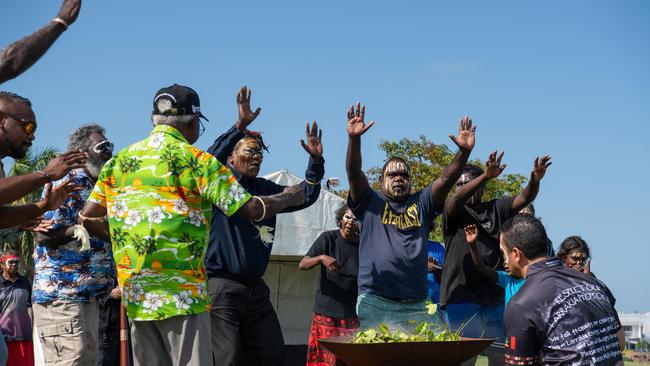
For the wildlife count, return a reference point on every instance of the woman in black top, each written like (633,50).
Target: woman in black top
(337,253)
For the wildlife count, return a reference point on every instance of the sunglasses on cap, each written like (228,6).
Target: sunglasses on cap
(103,146)
(28,126)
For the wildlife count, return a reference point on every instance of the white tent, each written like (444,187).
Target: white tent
(292,290)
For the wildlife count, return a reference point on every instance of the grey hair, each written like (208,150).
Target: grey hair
(14,98)
(80,138)
(171,120)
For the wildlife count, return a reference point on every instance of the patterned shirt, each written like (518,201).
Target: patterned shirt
(159,194)
(66,273)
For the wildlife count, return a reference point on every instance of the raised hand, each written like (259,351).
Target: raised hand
(433,265)
(356,123)
(539,169)
(493,167)
(246,115)
(55,197)
(466,135)
(62,164)
(471,233)
(70,10)
(314,146)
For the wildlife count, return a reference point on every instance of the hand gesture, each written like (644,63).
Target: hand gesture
(37,225)
(330,263)
(116,293)
(356,124)
(246,115)
(471,233)
(313,147)
(70,10)
(493,167)
(541,164)
(62,164)
(55,197)
(466,139)
(433,265)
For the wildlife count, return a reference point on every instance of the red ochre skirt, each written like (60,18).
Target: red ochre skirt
(323,326)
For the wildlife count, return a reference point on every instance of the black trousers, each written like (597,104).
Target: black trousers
(245,327)
(108,353)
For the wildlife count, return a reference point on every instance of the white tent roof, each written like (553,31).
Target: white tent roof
(295,232)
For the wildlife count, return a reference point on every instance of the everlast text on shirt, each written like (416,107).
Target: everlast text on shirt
(410,218)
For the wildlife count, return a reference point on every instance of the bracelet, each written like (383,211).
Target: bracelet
(313,183)
(91,219)
(47,176)
(263,209)
(62,22)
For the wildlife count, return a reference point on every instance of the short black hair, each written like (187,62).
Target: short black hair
(14,98)
(573,243)
(395,158)
(472,170)
(527,234)
(340,212)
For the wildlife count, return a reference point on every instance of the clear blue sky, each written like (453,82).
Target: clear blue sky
(567,78)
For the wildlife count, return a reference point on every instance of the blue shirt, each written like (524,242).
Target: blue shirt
(66,273)
(437,252)
(393,243)
(510,283)
(240,246)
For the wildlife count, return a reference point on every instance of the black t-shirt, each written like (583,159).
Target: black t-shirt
(561,317)
(393,243)
(461,282)
(336,295)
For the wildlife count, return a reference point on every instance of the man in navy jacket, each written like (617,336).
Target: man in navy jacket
(245,327)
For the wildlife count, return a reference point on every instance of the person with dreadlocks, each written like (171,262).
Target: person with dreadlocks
(245,327)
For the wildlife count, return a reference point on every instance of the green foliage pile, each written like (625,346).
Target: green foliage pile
(425,332)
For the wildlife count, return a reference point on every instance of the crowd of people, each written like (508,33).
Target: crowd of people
(180,238)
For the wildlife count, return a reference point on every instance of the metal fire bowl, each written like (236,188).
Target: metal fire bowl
(405,353)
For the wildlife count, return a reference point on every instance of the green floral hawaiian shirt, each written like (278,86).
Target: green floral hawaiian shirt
(158,194)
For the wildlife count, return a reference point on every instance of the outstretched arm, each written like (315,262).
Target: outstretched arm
(529,193)
(54,197)
(471,234)
(224,144)
(262,207)
(22,54)
(16,187)
(465,142)
(93,218)
(493,169)
(356,127)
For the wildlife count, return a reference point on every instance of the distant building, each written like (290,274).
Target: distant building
(636,328)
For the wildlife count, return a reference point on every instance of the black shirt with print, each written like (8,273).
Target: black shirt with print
(561,317)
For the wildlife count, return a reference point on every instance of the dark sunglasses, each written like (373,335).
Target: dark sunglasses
(103,146)
(28,126)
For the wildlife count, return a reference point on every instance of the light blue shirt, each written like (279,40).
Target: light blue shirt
(509,282)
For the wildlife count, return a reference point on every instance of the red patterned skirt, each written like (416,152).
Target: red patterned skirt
(323,326)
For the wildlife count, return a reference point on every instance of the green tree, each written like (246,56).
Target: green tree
(427,161)
(23,241)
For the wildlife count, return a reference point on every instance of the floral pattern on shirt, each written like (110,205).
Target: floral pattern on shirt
(66,273)
(158,194)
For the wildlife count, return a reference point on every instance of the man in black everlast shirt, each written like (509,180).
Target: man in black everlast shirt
(559,316)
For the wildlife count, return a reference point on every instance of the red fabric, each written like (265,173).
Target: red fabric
(324,327)
(21,353)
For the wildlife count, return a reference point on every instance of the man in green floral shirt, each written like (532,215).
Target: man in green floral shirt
(157,195)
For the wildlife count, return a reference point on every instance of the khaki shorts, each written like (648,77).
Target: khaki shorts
(67,331)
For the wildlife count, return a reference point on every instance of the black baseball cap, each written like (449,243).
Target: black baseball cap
(177,100)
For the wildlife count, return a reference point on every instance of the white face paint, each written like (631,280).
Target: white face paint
(396,180)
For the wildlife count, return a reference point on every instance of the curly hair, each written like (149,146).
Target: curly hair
(340,212)
(573,243)
(80,138)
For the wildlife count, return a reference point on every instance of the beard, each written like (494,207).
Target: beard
(94,165)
